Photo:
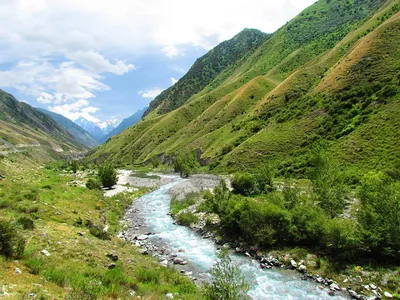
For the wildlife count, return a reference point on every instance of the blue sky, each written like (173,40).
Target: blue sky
(105,60)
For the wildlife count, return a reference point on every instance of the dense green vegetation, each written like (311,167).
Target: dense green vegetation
(323,217)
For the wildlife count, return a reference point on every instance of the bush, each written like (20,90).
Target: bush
(243,183)
(108,175)
(93,184)
(187,218)
(12,244)
(100,234)
(308,224)
(185,164)
(26,223)
(264,224)
(228,283)
(379,214)
(342,238)
(329,189)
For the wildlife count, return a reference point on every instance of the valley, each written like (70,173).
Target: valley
(265,167)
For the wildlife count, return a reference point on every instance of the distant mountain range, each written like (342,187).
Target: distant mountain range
(75,130)
(126,123)
(95,131)
(104,131)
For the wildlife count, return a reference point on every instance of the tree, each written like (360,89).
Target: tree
(379,214)
(329,187)
(185,164)
(228,282)
(12,244)
(108,175)
(74,166)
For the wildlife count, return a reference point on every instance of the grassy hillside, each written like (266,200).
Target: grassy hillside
(81,135)
(28,130)
(332,73)
(51,210)
(206,68)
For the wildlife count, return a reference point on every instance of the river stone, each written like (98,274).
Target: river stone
(293,264)
(373,286)
(388,295)
(177,260)
(169,296)
(44,252)
(334,287)
(302,268)
(142,237)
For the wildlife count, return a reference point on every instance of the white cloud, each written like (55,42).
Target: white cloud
(173,80)
(96,63)
(151,93)
(45,98)
(75,110)
(172,51)
(54,84)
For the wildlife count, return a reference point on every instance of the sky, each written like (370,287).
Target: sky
(104,60)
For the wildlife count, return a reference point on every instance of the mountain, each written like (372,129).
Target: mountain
(333,72)
(94,130)
(81,135)
(126,123)
(108,126)
(207,68)
(26,129)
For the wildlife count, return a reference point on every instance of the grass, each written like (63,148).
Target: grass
(77,265)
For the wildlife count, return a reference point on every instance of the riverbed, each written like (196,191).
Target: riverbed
(149,218)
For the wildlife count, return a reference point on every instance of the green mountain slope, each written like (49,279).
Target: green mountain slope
(28,130)
(207,68)
(332,72)
(81,135)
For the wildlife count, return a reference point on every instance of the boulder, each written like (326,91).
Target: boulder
(293,264)
(112,256)
(44,252)
(302,268)
(178,261)
(142,237)
(388,295)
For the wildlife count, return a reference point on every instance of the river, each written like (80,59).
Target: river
(152,210)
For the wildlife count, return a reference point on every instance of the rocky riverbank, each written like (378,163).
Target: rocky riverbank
(137,233)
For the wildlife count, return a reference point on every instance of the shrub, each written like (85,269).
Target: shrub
(228,283)
(243,183)
(308,223)
(108,175)
(26,223)
(185,164)
(329,190)
(342,237)
(12,244)
(187,218)
(93,184)
(379,214)
(264,224)
(97,232)
(74,166)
